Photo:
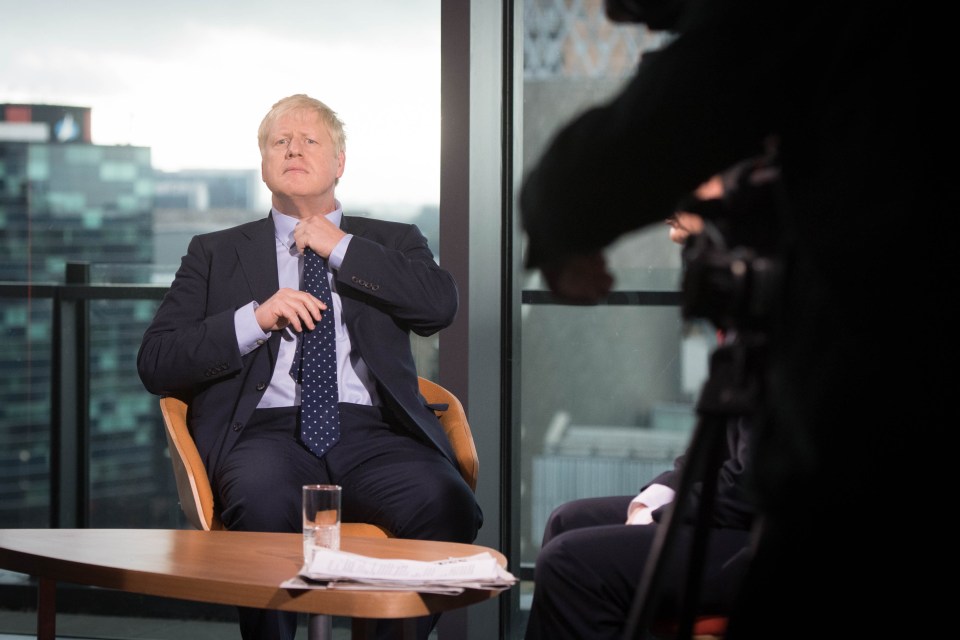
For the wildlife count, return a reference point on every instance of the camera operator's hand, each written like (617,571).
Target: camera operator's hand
(580,279)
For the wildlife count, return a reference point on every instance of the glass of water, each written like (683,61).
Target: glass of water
(321,518)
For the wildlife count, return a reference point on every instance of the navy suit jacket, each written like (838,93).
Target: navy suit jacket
(389,285)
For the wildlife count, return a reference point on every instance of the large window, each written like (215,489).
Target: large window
(606,392)
(127,128)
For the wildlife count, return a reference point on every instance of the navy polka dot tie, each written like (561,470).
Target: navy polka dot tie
(319,395)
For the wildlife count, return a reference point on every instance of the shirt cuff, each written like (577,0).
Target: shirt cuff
(249,334)
(647,501)
(655,496)
(339,251)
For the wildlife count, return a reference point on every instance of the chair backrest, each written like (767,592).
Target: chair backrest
(454,422)
(193,485)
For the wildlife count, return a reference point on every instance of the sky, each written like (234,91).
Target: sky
(192,80)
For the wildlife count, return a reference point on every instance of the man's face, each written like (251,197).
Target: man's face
(300,159)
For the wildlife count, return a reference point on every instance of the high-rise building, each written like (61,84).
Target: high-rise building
(64,199)
(44,123)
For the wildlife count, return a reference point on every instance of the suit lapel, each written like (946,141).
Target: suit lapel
(257,255)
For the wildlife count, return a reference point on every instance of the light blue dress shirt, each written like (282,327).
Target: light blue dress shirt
(356,384)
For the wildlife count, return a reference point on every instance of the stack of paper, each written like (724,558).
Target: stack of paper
(342,570)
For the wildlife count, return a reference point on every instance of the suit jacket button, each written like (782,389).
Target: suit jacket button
(237,426)
(261,386)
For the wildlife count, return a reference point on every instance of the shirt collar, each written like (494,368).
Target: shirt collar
(284,224)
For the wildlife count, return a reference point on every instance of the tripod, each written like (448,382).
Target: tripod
(732,391)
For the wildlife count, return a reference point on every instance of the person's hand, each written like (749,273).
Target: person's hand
(640,514)
(683,225)
(580,279)
(317,233)
(289,308)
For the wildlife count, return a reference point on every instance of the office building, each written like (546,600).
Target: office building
(66,200)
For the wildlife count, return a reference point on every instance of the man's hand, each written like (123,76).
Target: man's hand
(639,513)
(317,233)
(289,307)
(581,279)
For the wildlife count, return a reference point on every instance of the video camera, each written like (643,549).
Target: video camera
(731,270)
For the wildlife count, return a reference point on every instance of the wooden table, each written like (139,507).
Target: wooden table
(223,567)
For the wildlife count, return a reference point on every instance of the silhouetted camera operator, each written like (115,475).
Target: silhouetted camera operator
(855,373)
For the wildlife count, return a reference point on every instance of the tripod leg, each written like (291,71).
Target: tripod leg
(702,453)
(698,546)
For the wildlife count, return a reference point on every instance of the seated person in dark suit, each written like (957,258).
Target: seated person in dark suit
(594,551)
(225,336)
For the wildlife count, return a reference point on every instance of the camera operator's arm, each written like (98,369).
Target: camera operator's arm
(583,279)
(694,108)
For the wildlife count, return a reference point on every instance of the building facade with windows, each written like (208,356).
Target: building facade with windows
(64,200)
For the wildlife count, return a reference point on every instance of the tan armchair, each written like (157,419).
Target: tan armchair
(193,486)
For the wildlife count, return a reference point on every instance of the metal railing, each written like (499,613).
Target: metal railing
(69,381)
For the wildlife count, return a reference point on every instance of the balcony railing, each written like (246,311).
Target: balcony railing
(82,444)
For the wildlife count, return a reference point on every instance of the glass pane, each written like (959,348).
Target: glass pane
(25,413)
(608,399)
(606,392)
(131,478)
(118,143)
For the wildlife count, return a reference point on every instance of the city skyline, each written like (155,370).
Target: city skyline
(192,82)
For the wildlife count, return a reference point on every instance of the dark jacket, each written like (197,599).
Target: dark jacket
(389,285)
